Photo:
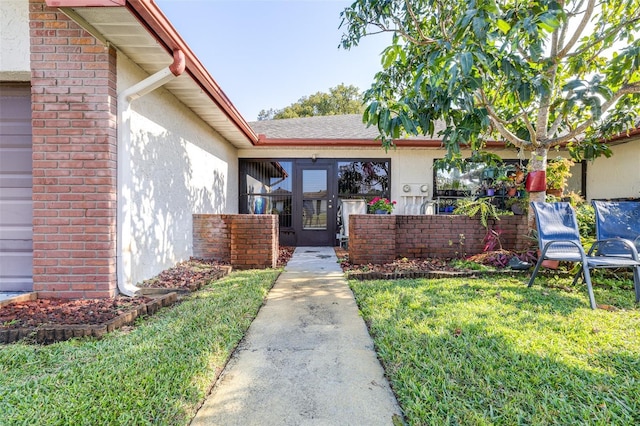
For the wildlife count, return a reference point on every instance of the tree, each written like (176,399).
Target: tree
(340,100)
(537,74)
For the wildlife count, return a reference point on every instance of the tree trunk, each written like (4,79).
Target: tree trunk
(538,162)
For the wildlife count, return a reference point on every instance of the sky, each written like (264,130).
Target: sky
(270,53)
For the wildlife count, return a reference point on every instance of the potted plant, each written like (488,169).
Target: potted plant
(558,172)
(381,205)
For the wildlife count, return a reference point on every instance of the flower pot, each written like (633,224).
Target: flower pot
(550,264)
(512,192)
(490,192)
(517,209)
(555,192)
(536,181)
(382,212)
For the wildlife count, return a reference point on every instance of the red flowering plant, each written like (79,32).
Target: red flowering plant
(383,204)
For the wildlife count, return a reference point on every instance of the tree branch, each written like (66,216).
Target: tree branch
(499,124)
(614,29)
(414,18)
(525,117)
(625,90)
(578,32)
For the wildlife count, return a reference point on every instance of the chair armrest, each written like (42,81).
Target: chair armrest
(549,245)
(618,242)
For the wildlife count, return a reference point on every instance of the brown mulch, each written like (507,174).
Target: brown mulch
(35,313)
(402,265)
(27,318)
(188,276)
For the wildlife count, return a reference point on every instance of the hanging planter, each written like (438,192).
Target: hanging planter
(536,181)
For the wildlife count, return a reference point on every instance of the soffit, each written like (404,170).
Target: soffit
(120,28)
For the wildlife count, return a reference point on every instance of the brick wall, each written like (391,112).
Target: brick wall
(73,79)
(383,238)
(245,241)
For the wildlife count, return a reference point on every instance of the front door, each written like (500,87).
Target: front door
(315,215)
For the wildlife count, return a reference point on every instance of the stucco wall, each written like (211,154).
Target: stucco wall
(179,167)
(617,176)
(14,40)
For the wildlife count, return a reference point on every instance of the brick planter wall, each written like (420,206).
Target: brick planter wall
(383,238)
(73,78)
(246,241)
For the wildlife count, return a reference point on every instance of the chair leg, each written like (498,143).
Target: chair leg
(636,282)
(578,275)
(535,271)
(587,279)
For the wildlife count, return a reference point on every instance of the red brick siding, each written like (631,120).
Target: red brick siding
(372,238)
(383,238)
(73,79)
(246,241)
(212,236)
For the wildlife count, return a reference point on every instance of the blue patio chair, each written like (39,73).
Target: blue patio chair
(618,230)
(559,239)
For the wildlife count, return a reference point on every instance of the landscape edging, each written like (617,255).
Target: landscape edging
(59,333)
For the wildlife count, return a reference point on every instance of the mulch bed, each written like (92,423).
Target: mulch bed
(185,277)
(420,268)
(52,320)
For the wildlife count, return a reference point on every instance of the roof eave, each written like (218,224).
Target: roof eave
(152,18)
(338,143)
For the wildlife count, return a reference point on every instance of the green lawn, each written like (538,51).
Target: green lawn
(156,373)
(491,351)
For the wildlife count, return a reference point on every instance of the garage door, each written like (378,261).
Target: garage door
(16,229)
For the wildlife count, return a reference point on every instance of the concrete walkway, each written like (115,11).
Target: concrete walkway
(307,359)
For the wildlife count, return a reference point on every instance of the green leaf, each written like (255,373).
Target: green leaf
(524,92)
(503,26)
(548,22)
(572,85)
(466,62)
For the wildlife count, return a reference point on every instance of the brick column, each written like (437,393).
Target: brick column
(74,99)
(254,241)
(244,240)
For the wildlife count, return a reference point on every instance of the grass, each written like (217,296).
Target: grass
(157,373)
(492,351)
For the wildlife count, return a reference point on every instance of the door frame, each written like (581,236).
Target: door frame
(315,237)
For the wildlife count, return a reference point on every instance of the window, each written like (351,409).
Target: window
(363,179)
(475,177)
(266,188)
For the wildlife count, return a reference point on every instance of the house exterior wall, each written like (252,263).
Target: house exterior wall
(617,176)
(14,40)
(179,167)
(74,158)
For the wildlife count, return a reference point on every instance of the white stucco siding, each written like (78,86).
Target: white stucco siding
(14,40)
(179,166)
(617,176)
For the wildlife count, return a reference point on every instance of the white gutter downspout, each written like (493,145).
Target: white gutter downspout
(124,201)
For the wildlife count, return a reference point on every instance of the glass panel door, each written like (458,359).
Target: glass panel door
(315,219)
(314,199)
